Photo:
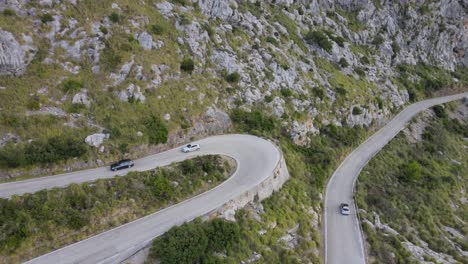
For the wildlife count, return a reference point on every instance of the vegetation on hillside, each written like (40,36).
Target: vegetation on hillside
(295,204)
(417,189)
(34,224)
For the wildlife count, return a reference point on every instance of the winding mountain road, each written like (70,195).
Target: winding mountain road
(256,160)
(343,236)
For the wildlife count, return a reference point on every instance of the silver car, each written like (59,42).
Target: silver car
(190,148)
(344,209)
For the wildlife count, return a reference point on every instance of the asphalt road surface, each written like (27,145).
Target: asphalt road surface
(256,159)
(343,237)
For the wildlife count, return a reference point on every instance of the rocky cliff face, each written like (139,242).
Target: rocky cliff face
(12,55)
(308,63)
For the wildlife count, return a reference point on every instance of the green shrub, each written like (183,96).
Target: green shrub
(320,39)
(340,90)
(286,92)
(45,18)
(360,71)
(54,149)
(9,12)
(233,77)
(162,188)
(180,2)
(365,60)
(187,65)
(411,172)
(103,30)
(196,242)
(206,26)
(71,85)
(343,63)
(12,156)
(357,110)
(269,98)
(318,92)
(440,111)
(110,58)
(157,29)
(156,130)
(254,121)
(378,40)
(272,40)
(114,18)
(33,103)
(185,20)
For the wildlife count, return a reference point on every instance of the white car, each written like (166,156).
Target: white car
(344,209)
(190,148)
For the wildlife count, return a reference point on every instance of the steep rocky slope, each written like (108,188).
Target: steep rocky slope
(99,68)
(412,195)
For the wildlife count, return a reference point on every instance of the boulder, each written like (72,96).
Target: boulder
(96,140)
(300,132)
(216,8)
(146,41)
(122,74)
(13,60)
(82,98)
(132,91)
(165,8)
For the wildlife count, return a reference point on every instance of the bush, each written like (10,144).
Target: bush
(110,58)
(357,110)
(196,242)
(9,12)
(360,71)
(378,40)
(157,29)
(206,26)
(103,30)
(162,188)
(187,65)
(114,18)
(365,60)
(318,92)
(233,77)
(185,20)
(156,130)
(253,121)
(71,85)
(343,63)
(439,111)
(286,92)
(320,39)
(272,40)
(54,149)
(45,18)
(51,150)
(411,172)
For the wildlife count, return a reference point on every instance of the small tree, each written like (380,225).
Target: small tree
(187,65)
(47,18)
(233,77)
(411,172)
(343,63)
(320,39)
(357,110)
(114,18)
(156,130)
(71,85)
(157,29)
